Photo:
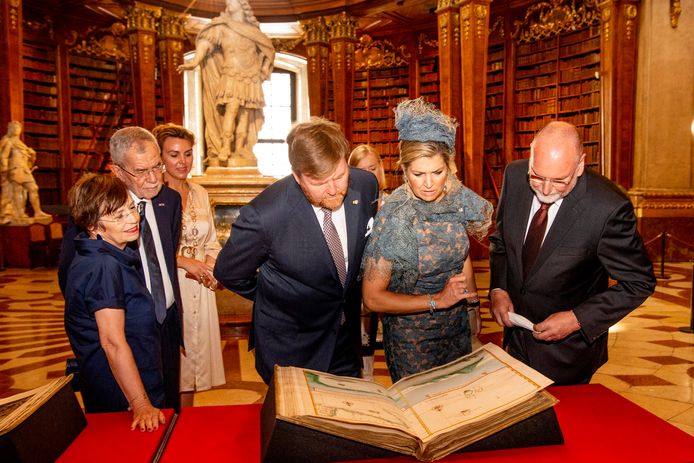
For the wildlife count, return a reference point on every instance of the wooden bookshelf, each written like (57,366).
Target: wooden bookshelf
(376,94)
(428,80)
(494,122)
(99,92)
(40,129)
(558,78)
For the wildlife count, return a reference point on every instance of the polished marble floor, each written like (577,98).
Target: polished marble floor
(651,360)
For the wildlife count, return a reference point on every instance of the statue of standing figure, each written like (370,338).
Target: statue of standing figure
(235,58)
(16,164)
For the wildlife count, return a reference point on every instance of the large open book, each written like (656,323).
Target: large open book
(427,415)
(38,425)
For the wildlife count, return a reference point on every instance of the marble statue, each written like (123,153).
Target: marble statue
(235,58)
(18,183)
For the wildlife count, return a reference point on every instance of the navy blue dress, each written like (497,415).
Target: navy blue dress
(103,276)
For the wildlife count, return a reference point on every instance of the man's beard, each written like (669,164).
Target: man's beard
(329,203)
(554,197)
(332,203)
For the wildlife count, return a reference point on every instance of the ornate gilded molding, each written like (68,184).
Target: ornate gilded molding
(630,13)
(172,25)
(14,14)
(342,26)
(443,4)
(375,54)
(315,30)
(465,15)
(675,11)
(654,203)
(498,27)
(40,26)
(142,17)
(547,19)
(606,16)
(101,43)
(286,45)
(424,41)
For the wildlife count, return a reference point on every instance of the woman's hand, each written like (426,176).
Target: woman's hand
(146,417)
(453,292)
(199,271)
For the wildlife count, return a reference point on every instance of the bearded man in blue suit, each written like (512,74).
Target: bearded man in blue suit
(305,291)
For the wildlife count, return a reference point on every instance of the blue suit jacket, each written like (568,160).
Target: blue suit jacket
(593,238)
(277,256)
(167,210)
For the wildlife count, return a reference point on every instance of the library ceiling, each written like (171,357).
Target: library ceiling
(371,13)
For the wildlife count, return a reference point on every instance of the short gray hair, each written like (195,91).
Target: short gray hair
(123,140)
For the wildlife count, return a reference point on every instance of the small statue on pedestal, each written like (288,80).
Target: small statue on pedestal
(235,58)
(17,182)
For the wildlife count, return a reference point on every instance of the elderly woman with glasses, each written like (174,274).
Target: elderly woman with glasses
(109,314)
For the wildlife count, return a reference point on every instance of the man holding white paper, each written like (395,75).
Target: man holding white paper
(562,232)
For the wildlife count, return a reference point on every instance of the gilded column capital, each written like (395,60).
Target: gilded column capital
(343,26)
(172,25)
(142,17)
(675,11)
(315,30)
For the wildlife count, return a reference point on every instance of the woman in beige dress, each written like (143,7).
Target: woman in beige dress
(201,366)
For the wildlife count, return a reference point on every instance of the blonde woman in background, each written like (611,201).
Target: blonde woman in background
(365,157)
(201,367)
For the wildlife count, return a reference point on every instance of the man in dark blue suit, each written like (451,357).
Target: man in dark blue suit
(285,256)
(137,162)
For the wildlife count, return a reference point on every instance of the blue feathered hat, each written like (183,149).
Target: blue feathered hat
(419,120)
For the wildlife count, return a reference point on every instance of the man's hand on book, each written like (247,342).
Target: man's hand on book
(147,418)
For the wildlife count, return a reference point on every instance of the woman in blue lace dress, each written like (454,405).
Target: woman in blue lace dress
(416,268)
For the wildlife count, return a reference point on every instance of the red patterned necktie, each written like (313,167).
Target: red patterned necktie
(533,241)
(334,244)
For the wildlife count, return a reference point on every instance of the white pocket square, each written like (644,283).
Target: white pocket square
(369,226)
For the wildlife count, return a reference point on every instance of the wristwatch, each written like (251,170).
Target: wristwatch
(432,304)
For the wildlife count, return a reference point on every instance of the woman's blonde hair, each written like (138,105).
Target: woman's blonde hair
(362,151)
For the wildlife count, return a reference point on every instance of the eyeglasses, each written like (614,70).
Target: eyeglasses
(557,183)
(122,215)
(142,173)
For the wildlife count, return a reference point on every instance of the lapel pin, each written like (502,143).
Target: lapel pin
(355,202)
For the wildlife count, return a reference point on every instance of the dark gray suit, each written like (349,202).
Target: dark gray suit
(277,256)
(593,238)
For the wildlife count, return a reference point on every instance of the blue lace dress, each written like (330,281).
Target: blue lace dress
(420,245)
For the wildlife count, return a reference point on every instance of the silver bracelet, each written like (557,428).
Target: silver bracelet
(432,304)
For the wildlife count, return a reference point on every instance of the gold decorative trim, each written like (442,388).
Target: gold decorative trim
(40,26)
(606,17)
(424,40)
(101,43)
(142,17)
(497,26)
(675,11)
(465,21)
(547,19)
(443,29)
(285,45)
(630,13)
(376,54)
(172,25)
(315,30)
(481,14)
(654,203)
(342,26)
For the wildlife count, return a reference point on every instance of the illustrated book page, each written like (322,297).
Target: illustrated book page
(482,392)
